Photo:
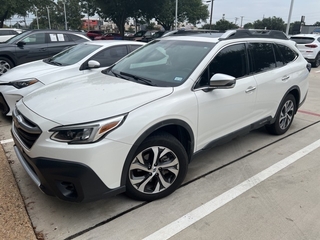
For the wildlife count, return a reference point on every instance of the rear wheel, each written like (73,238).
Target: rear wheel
(284,117)
(316,62)
(5,65)
(157,169)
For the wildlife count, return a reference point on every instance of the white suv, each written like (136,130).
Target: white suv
(309,46)
(135,127)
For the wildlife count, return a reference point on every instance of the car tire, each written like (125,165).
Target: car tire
(5,65)
(284,116)
(157,169)
(316,62)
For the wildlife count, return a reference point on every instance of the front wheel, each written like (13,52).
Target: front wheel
(284,117)
(158,168)
(5,65)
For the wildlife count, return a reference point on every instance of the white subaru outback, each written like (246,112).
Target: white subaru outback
(135,126)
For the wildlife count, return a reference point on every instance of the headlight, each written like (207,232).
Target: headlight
(86,133)
(23,82)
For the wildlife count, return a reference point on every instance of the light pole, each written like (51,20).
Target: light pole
(36,9)
(49,18)
(176,15)
(88,26)
(211,12)
(65,14)
(289,18)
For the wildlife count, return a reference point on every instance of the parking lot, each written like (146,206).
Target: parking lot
(255,187)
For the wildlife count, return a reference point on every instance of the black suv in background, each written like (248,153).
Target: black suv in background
(35,45)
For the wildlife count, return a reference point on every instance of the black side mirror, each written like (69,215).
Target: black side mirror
(21,44)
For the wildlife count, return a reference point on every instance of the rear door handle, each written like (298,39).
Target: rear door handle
(250,89)
(285,78)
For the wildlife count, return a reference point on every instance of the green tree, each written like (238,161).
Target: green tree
(273,23)
(248,26)
(192,11)
(316,24)
(223,25)
(117,11)
(9,8)
(90,8)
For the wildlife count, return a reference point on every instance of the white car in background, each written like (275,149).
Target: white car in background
(81,59)
(7,33)
(309,46)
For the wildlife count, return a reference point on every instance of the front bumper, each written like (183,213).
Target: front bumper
(66,180)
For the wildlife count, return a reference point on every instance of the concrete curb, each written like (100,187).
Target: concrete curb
(14,220)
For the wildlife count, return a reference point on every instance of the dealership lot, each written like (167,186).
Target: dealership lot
(283,206)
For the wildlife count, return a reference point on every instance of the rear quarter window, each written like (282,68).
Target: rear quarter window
(287,53)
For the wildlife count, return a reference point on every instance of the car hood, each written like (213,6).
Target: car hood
(89,98)
(34,69)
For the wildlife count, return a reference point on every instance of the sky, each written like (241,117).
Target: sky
(252,10)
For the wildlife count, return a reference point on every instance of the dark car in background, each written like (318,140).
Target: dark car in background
(137,36)
(151,35)
(109,36)
(94,33)
(35,45)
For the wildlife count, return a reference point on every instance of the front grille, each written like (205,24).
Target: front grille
(27,131)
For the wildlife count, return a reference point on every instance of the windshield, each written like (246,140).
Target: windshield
(163,63)
(73,55)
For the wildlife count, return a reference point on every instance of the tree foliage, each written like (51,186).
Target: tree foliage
(55,12)
(9,8)
(222,25)
(273,23)
(163,11)
(117,11)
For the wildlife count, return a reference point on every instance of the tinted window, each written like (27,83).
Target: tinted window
(287,53)
(231,60)
(111,55)
(134,47)
(302,40)
(36,38)
(262,57)
(74,54)
(7,32)
(279,59)
(74,38)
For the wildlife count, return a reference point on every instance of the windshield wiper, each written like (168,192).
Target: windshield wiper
(139,79)
(114,74)
(49,61)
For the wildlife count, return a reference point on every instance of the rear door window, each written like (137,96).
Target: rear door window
(262,57)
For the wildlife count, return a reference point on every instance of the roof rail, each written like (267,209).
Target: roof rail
(253,33)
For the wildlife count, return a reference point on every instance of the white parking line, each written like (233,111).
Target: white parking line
(318,71)
(207,208)
(6,141)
